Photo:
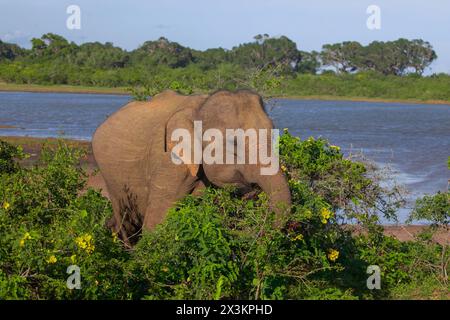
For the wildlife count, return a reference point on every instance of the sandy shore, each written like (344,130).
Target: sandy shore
(33,147)
(61,89)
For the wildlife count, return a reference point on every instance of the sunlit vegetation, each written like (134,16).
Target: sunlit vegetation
(218,245)
(387,70)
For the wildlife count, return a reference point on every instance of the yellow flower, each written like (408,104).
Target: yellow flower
(80,242)
(333,255)
(86,243)
(299,237)
(52,259)
(308,214)
(325,214)
(6,205)
(25,237)
(337,148)
(73,258)
(283,168)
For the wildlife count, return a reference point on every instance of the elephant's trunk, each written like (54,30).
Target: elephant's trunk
(276,187)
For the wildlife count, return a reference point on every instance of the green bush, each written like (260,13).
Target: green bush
(9,155)
(434,208)
(46,225)
(218,245)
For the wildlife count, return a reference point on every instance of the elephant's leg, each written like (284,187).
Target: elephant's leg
(166,189)
(199,188)
(118,224)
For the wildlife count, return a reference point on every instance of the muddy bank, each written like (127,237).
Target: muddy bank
(33,147)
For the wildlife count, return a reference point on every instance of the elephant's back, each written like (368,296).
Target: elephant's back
(134,127)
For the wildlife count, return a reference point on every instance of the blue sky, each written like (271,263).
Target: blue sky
(202,24)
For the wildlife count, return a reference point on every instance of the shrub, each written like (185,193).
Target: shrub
(434,208)
(42,219)
(8,156)
(218,245)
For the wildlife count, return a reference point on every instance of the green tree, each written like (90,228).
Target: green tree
(344,57)
(266,51)
(309,63)
(211,58)
(397,57)
(420,54)
(10,51)
(162,52)
(98,55)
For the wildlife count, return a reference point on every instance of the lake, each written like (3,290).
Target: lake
(412,139)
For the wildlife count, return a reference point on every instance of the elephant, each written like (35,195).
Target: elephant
(133,150)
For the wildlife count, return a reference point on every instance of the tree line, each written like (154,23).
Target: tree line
(53,59)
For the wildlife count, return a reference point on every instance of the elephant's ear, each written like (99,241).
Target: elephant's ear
(181,124)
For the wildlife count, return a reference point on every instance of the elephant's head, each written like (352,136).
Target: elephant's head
(246,160)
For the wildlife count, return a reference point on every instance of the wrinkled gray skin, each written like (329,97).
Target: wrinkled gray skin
(133,151)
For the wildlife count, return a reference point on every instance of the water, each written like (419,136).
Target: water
(413,139)
(55,114)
